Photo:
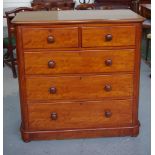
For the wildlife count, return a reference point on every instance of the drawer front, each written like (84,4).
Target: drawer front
(79,87)
(108,36)
(79,62)
(45,38)
(69,115)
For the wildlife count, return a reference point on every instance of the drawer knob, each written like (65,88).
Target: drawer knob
(52,90)
(107,87)
(51,64)
(50,39)
(108,37)
(107,113)
(54,116)
(108,62)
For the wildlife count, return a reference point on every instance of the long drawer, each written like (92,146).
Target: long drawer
(79,87)
(54,62)
(44,38)
(108,36)
(71,115)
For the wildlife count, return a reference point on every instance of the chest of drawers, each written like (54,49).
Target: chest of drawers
(78,73)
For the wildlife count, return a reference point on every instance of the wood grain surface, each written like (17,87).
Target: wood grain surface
(79,61)
(34,38)
(79,87)
(78,74)
(80,115)
(96,36)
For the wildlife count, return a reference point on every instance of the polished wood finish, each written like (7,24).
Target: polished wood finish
(108,36)
(53,4)
(80,133)
(96,61)
(79,91)
(145,1)
(145,10)
(34,38)
(83,87)
(118,4)
(85,6)
(70,115)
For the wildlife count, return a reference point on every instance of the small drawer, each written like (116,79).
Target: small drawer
(79,62)
(108,36)
(76,115)
(79,87)
(46,38)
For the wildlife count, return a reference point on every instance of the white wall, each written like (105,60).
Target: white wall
(16,3)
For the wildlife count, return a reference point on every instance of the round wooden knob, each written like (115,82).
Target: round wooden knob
(51,64)
(50,39)
(107,87)
(107,113)
(54,116)
(52,90)
(108,62)
(108,37)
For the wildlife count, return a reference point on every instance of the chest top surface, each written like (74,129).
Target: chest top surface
(82,16)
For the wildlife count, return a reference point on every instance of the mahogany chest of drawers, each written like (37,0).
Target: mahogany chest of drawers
(78,73)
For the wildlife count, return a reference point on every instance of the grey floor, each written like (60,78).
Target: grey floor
(13,145)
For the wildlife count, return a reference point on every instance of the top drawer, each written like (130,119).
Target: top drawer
(108,36)
(34,38)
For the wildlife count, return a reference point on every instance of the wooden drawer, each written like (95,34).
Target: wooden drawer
(108,36)
(71,115)
(79,87)
(79,62)
(46,38)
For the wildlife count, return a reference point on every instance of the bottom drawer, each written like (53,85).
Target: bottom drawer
(90,114)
